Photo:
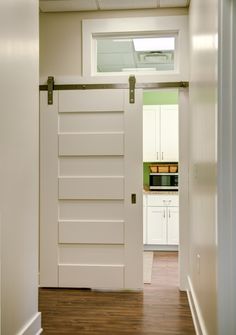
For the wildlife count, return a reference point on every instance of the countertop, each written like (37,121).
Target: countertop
(147,191)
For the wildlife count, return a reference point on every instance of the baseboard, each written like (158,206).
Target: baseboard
(195,310)
(33,327)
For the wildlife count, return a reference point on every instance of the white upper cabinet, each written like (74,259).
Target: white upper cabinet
(150,114)
(160,133)
(169,133)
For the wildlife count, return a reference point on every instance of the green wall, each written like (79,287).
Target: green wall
(160,97)
(146,174)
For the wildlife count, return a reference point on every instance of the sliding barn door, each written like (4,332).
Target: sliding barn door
(90,172)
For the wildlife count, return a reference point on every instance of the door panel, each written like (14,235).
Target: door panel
(91,101)
(91,163)
(149,134)
(91,144)
(157,229)
(91,254)
(87,122)
(91,188)
(169,133)
(173,225)
(102,209)
(96,276)
(91,232)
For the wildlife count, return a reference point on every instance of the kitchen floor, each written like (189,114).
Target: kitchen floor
(160,309)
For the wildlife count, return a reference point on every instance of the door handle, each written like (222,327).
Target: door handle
(164,214)
(133,198)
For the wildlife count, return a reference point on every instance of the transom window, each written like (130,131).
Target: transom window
(114,48)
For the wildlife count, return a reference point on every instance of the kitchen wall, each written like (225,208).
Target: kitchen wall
(61,40)
(19,167)
(203,156)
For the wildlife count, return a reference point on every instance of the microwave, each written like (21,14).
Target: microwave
(164,181)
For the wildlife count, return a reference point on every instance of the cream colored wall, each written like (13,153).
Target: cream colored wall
(19,167)
(226,167)
(203,155)
(61,42)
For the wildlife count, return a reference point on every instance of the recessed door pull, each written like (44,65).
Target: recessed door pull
(50,83)
(132,81)
(133,198)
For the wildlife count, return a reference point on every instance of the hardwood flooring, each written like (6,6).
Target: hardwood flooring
(160,309)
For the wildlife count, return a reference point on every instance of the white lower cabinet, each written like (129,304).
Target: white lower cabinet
(162,222)
(157,228)
(173,225)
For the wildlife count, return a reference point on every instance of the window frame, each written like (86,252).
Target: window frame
(139,26)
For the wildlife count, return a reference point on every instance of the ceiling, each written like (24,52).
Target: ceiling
(97,5)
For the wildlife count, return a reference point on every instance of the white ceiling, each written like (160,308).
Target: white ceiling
(95,5)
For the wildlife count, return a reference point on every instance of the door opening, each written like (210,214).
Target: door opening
(160,170)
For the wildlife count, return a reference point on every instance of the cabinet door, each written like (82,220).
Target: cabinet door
(173,225)
(151,136)
(156,229)
(169,133)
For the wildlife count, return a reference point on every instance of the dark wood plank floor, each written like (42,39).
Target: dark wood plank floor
(160,309)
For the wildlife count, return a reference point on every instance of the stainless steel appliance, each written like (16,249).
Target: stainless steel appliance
(164,181)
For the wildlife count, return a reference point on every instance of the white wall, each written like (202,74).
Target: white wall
(203,156)
(61,37)
(19,166)
(226,169)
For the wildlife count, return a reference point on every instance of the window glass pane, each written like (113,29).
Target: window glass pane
(135,54)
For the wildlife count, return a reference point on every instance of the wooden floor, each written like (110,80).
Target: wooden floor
(160,309)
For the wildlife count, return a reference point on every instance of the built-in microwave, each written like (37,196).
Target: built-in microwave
(164,181)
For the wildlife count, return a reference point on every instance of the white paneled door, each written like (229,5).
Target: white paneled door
(91,164)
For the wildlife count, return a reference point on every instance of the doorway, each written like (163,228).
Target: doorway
(160,171)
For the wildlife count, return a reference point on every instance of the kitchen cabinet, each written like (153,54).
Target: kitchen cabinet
(162,220)
(173,225)
(160,133)
(157,228)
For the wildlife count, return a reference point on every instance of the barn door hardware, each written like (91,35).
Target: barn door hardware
(132,81)
(50,83)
